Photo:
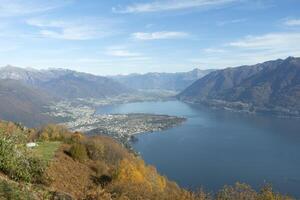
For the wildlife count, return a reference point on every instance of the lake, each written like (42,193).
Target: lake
(213,148)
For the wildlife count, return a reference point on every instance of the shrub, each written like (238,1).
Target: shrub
(113,151)
(11,191)
(44,136)
(16,161)
(78,152)
(37,169)
(100,168)
(95,150)
(32,135)
(53,133)
(238,192)
(105,149)
(77,137)
(102,180)
(267,193)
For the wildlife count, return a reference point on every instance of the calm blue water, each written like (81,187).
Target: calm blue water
(213,148)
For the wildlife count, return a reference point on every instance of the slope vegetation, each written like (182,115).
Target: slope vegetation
(90,168)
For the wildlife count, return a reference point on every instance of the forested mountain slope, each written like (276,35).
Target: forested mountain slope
(273,86)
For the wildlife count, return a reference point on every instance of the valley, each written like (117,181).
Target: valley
(197,141)
(150,100)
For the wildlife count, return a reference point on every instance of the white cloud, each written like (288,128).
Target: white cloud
(82,29)
(121,53)
(168,5)
(214,50)
(159,35)
(250,50)
(292,22)
(11,8)
(272,41)
(233,21)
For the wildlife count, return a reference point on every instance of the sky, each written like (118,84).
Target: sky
(108,37)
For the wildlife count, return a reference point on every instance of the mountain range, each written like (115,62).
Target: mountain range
(161,81)
(63,83)
(272,87)
(24,91)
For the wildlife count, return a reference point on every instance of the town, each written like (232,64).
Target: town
(83,117)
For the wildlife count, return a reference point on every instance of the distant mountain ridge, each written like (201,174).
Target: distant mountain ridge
(26,93)
(161,81)
(273,86)
(65,83)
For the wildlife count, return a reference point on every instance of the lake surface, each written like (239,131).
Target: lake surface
(213,148)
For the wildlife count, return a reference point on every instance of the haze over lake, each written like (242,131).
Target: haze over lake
(213,148)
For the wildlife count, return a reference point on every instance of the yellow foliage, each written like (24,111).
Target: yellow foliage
(136,172)
(44,136)
(161,183)
(77,137)
(129,172)
(53,132)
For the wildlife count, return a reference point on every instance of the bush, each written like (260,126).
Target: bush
(37,169)
(95,150)
(113,151)
(11,191)
(77,137)
(53,132)
(78,152)
(16,161)
(238,192)
(267,193)
(100,168)
(103,180)
(105,149)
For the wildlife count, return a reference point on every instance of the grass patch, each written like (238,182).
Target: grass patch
(46,150)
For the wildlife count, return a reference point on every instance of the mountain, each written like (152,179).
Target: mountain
(161,81)
(81,85)
(21,103)
(25,93)
(65,83)
(273,86)
(28,75)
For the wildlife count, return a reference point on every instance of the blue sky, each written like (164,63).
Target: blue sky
(124,36)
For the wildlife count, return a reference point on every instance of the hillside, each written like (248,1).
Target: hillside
(67,165)
(161,81)
(21,103)
(272,87)
(65,83)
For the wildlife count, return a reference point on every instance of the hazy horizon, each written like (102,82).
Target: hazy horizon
(125,74)
(124,37)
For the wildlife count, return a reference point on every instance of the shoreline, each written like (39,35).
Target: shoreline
(248,109)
